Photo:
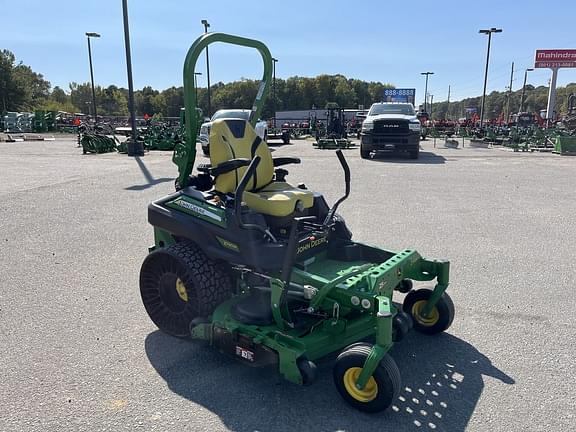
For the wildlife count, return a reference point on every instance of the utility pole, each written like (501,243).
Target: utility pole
(196,86)
(431,105)
(274,60)
(489,33)
(509,94)
(206,27)
(88,36)
(426,88)
(448,105)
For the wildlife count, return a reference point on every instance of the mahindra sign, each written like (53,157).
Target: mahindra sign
(555,58)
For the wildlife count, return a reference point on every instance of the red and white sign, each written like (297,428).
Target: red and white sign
(555,58)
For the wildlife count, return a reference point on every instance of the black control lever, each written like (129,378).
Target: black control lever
(346,169)
(290,255)
(248,175)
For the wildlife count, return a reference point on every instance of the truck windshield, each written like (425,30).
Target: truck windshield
(404,109)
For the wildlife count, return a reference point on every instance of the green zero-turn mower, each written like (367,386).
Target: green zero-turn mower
(273,277)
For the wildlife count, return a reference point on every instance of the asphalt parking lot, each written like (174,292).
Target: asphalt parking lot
(79,353)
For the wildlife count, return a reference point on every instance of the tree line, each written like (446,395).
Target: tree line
(535,99)
(22,89)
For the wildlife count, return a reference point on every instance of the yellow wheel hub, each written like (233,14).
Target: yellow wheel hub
(181,289)
(428,321)
(368,393)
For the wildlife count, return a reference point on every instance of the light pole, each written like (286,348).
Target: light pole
(88,36)
(274,89)
(196,86)
(431,105)
(524,89)
(426,88)
(206,26)
(489,33)
(135,147)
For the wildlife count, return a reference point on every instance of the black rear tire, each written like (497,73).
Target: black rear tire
(384,384)
(178,284)
(364,154)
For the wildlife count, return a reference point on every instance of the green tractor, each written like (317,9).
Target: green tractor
(268,273)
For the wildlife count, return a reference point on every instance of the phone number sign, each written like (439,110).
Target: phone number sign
(399,95)
(555,58)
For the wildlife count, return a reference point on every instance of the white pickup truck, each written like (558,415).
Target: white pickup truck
(390,127)
(204,137)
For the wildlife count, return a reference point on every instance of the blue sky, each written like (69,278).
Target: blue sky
(372,40)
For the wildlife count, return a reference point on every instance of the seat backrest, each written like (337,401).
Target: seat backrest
(237,139)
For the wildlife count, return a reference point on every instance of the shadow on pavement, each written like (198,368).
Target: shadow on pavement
(442,381)
(151,181)
(424,158)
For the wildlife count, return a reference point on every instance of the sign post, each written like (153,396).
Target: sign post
(554,59)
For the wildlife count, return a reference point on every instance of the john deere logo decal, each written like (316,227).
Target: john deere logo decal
(197,209)
(311,243)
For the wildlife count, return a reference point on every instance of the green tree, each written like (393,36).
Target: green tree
(174,100)
(113,101)
(20,87)
(58,95)
(144,101)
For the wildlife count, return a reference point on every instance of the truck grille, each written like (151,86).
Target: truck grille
(391,127)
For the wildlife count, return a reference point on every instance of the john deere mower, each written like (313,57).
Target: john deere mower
(268,273)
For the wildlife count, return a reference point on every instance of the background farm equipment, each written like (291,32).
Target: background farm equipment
(565,145)
(97,143)
(569,121)
(161,135)
(44,121)
(334,136)
(274,135)
(97,139)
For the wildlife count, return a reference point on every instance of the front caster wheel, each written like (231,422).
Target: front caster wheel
(308,370)
(439,319)
(381,389)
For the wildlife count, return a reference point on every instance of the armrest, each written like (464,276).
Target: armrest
(279,161)
(228,166)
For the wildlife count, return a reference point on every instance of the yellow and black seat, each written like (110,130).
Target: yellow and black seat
(236,139)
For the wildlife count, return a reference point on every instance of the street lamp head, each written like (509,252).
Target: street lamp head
(426,73)
(92,34)
(205,23)
(529,69)
(491,30)
(274,59)
(197,73)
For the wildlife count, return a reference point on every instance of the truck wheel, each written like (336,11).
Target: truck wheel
(382,388)
(179,283)
(206,150)
(439,320)
(364,154)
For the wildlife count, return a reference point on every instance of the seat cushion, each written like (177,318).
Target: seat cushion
(236,138)
(278,199)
